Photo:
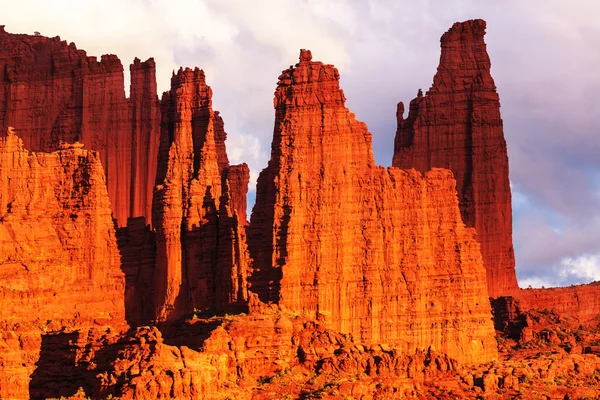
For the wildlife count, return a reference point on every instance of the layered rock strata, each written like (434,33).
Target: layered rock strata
(579,302)
(379,253)
(199,206)
(457,125)
(59,261)
(52,92)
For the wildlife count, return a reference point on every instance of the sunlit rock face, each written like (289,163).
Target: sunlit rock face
(379,253)
(59,261)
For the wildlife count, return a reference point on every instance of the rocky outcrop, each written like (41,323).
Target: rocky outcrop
(59,262)
(52,92)
(244,355)
(272,353)
(578,302)
(457,125)
(201,257)
(145,120)
(378,253)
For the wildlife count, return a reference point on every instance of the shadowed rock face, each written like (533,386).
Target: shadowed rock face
(379,253)
(457,125)
(52,92)
(199,206)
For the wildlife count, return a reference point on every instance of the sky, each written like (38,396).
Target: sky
(545,62)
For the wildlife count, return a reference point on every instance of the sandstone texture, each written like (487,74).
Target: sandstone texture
(276,354)
(457,125)
(52,92)
(350,281)
(199,206)
(580,302)
(379,253)
(59,261)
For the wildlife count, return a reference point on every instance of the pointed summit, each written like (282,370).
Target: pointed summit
(305,55)
(199,206)
(457,125)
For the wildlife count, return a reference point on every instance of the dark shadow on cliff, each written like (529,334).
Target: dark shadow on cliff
(137,245)
(210,276)
(57,373)
(265,278)
(190,333)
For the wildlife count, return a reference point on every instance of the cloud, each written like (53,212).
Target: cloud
(544,62)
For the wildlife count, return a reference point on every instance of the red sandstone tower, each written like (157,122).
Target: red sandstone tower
(457,125)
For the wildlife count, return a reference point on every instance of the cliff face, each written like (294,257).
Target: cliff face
(382,254)
(59,262)
(53,92)
(457,125)
(201,255)
(580,302)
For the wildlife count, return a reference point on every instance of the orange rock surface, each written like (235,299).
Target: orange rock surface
(272,353)
(579,302)
(379,253)
(351,281)
(457,125)
(201,257)
(59,262)
(51,92)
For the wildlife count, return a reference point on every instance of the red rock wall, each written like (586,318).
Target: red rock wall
(59,261)
(145,123)
(200,253)
(238,178)
(52,92)
(379,253)
(457,125)
(581,302)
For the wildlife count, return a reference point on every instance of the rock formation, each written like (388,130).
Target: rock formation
(276,354)
(457,125)
(199,206)
(579,304)
(59,262)
(364,282)
(52,92)
(382,254)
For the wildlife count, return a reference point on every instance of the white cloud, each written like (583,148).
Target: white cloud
(585,267)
